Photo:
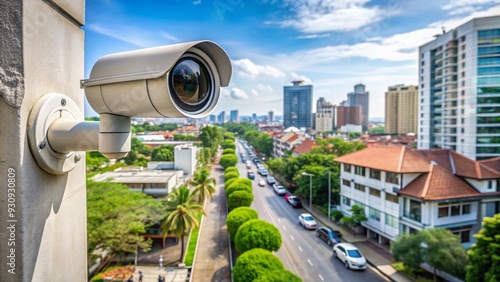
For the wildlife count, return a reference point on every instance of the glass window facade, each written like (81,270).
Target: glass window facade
(374,173)
(391,221)
(392,177)
(374,214)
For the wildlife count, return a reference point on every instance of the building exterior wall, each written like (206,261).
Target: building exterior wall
(348,115)
(41,47)
(325,116)
(185,159)
(459,93)
(361,98)
(297,105)
(401,109)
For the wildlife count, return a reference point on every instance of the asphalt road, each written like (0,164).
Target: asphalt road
(301,251)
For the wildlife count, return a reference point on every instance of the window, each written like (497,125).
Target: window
(455,210)
(375,192)
(391,221)
(347,167)
(374,214)
(375,174)
(462,232)
(490,184)
(346,182)
(443,212)
(446,209)
(359,187)
(466,209)
(391,177)
(346,201)
(391,198)
(359,170)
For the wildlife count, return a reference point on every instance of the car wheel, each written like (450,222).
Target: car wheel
(335,254)
(346,263)
(317,234)
(329,243)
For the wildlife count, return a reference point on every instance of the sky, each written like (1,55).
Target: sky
(330,44)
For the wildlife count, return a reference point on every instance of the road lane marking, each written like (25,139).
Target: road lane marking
(309,261)
(292,237)
(284,227)
(300,249)
(278,220)
(321,277)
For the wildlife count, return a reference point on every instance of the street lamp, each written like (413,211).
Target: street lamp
(329,194)
(310,188)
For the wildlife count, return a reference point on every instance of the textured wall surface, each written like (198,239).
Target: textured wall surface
(43,236)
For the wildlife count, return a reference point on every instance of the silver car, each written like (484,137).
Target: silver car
(307,221)
(349,255)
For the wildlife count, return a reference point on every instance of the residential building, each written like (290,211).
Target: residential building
(459,89)
(297,105)
(401,109)
(360,97)
(234,116)
(286,141)
(304,147)
(348,115)
(404,190)
(270,117)
(325,115)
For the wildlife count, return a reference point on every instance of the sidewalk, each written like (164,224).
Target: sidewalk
(377,255)
(212,256)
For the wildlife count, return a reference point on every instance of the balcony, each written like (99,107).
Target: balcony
(412,216)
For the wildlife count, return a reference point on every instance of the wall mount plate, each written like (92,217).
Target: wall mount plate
(47,109)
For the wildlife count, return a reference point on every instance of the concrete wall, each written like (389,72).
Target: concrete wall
(41,51)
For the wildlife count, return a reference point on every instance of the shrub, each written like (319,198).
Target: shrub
(277,276)
(253,263)
(237,217)
(257,233)
(240,180)
(239,199)
(229,182)
(228,151)
(228,160)
(337,215)
(232,169)
(228,144)
(230,175)
(238,186)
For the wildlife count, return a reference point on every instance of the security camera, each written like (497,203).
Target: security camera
(180,80)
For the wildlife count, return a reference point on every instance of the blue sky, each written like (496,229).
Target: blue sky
(331,44)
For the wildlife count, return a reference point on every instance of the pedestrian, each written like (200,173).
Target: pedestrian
(140,276)
(131,279)
(160,260)
(160,279)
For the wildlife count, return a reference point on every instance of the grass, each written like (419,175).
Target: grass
(191,249)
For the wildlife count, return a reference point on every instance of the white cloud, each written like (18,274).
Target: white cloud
(133,35)
(238,94)
(467,3)
(254,92)
(169,37)
(196,2)
(245,67)
(320,16)
(225,92)
(265,87)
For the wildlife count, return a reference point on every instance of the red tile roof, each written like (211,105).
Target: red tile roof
(439,184)
(305,147)
(293,138)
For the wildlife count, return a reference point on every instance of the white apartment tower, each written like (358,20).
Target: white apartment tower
(459,90)
(325,115)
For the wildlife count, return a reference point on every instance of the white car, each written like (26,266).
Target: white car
(278,189)
(349,255)
(307,221)
(262,182)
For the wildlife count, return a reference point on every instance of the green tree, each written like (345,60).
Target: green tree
(211,138)
(204,185)
(237,217)
(239,199)
(232,169)
(230,174)
(357,216)
(228,160)
(229,136)
(250,136)
(239,185)
(379,129)
(484,256)
(254,263)
(228,144)
(257,233)
(182,210)
(277,276)
(163,153)
(204,157)
(228,151)
(276,165)
(117,218)
(263,143)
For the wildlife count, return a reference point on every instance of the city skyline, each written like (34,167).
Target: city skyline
(271,43)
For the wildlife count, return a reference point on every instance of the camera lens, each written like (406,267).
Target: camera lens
(191,83)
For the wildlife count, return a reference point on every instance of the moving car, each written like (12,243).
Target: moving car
(262,182)
(270,179)
(249,164)
(307,221)
(294,201)
(244,159)
(251,174)
(278,189)
(327,235)
(349,255)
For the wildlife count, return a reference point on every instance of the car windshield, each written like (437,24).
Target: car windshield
(354,253)
(308,218)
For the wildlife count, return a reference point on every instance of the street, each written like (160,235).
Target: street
(301,252)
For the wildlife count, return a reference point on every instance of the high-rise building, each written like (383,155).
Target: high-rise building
(254,117)
(213,118)
(234,116)
(222,117)
(297,105)
(348,115)
(360,97)
(325,115)
(459,85)
(401,109)
(270,116)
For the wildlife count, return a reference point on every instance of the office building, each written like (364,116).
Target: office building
(297,105)
(401,109)
(234,116)
(348,115)
(360,97)
(270,117)
(325,115)
(254,117)
(213,118)
(459,85)
(222,117)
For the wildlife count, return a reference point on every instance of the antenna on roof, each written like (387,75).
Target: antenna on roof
(443,29)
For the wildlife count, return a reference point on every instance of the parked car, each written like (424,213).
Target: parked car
(263,172)
(249,164)
(278,189)
(251,175)
(349,255)
(244,159)
(307,221)
(328,235)
(270,179)
(294,201)
(262,182)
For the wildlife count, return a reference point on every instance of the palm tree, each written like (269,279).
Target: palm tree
(203,185)
(182,211)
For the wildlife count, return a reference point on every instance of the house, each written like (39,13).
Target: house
(405,190)
(286,142)
(304,147)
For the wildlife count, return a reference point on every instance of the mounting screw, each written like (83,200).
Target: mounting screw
(42,145)
(78,157)
(63,102)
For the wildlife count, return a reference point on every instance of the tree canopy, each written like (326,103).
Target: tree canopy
(257,233)
(228,160)
(163,153)
(237,217)
(254,263)
(239,199)
(484,256)
(203,184)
